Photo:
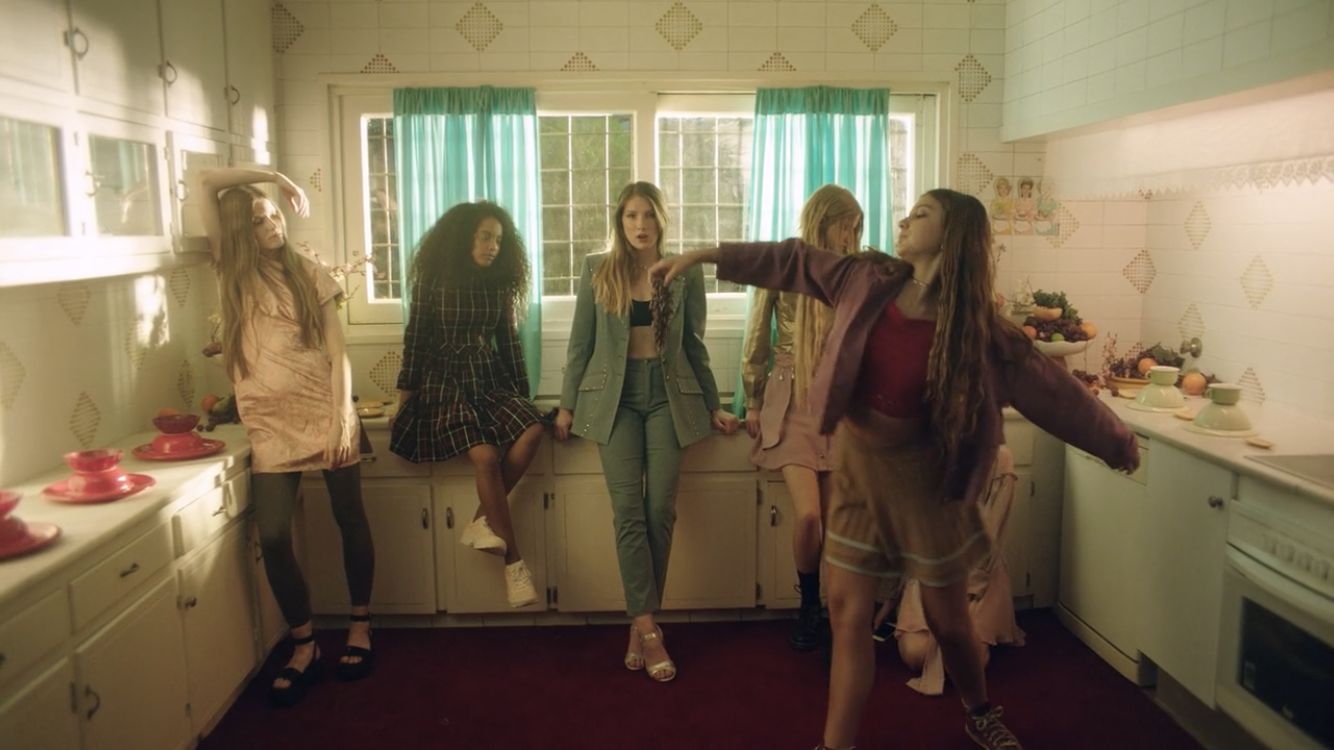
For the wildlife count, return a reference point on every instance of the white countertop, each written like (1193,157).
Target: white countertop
(83,527)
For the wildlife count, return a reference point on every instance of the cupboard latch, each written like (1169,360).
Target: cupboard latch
(449,517)
(426,519)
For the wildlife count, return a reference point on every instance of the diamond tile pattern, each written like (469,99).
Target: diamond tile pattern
(1251,390)
(84,420)
(384,374)
(1067,223)
(185,383)
(287,28)
(1198,225)
(11,376)
(179,284)
(678,26)
(1257,282)
(874,27)
(579,63)
(316,180)
(135,350)
(479,26)
(73,300)
(1191,323)
(971,174)
(379,64)
(1140,271)
(973,77)
(777,62)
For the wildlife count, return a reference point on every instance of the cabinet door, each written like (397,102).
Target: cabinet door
(713,547)
(1184,544)
(400,520)
(777,573)
(132,684)
(120,52)
(250,79)
(471,582)
(587,574)
(269,623)
(189,156)
(42,716)
(32,44)
(194,66)
(219,629)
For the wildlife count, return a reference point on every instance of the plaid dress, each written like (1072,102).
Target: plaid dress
(463,361)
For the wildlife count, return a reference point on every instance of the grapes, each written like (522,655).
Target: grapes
(1068,329)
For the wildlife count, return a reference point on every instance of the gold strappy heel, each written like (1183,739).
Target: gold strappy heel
(663,671)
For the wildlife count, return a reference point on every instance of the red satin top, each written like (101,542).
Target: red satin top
(893,373)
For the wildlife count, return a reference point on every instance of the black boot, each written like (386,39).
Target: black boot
(806,634)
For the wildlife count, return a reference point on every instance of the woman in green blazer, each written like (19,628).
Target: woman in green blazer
(638,383)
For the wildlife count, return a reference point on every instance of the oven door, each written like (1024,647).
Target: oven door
(1276,656)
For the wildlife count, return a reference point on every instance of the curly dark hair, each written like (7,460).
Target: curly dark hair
(444,255)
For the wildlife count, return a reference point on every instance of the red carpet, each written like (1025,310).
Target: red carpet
(740,686)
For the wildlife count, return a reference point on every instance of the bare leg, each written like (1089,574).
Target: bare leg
(851,599)
(946,610)
(808,502)
(494,500)
(519,456)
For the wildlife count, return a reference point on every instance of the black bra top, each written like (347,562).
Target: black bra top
(640,315)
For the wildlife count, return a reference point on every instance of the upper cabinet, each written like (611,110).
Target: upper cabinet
(250,80)
(116,46)
(194,63)
(33,46)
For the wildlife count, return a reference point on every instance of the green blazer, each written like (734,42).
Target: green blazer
(595,364)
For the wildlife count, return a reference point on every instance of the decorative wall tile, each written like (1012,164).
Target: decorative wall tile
(384,374)
(679,26)
(874,27)
(135,350)
(1198,225)
(1251,390)
(11,376)
(185,383)
(1063,226)
(73,300)
(1257,282)
(479,26)
(179,284)
(1140,271)
(579,63)
(777,62)
(379,64)
(287,28)
(973,77)
(84,420)
(316,179)
(1191,324)
(971,174)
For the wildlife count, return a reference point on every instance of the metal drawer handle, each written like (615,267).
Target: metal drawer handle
(88,692)
(1215,501)
(72,39)
(773,515)
(233,95)
(426,519)
(221,509)
(449,518)
(182,191)
(134,568)
(368,459)
(189,602)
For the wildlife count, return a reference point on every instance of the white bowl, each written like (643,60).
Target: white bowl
(1060,348)
(1165,397)
(1222,417)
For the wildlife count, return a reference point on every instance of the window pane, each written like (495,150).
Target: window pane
(589,187)
(697,148)
(555,151)
(555,186)
(698,186)
(125,179)
(556,223)
(30,190)
(589,150)
(590,223)
(621,152)
(379,191)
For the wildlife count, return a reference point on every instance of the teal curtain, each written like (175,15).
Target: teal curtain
(453,145)
(809,137)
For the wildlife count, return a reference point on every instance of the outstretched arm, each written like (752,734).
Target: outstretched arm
(214,181)
(790,266)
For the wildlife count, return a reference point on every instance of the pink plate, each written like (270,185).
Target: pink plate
(60,491)
(39,535)
(205,448)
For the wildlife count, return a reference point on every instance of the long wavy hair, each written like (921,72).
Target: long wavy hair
(444,255)
(612,280)
(240,277)
(827,207)
(967,322)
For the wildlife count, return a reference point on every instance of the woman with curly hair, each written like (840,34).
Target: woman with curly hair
(463,388)
(916,368)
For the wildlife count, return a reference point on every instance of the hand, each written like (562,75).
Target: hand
(673,266)
(724,421)
(564,419)
(338,452)
(753,422)
(296,197)
(1130,462)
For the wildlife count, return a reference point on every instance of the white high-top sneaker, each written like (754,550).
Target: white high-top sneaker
(479,536)
(519,585)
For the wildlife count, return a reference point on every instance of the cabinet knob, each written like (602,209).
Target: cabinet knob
(368,458)
(233,95)
(426,519)
(449,518)
(189,601)
(1215,501)
(88,692)
(134,568)
(773,515)
(167,72)
(76,40)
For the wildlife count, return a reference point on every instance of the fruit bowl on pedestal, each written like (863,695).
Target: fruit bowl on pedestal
(1060,348)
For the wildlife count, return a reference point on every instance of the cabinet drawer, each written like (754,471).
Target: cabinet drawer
(120,573)
(384,463)
(209,513)
(26,637)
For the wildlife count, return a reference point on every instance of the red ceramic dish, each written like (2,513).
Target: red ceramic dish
(174,424)
(205,447)
(38,535)
(8,500)
(93,461)
(61,491)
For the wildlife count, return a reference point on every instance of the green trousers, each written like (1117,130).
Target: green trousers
(642,462)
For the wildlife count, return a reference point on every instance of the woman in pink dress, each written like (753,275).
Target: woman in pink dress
(284,351)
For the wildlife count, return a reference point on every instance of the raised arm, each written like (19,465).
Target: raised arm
(789,266)
(214,181)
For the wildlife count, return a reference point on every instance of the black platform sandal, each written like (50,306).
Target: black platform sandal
(297,680)
(356,670)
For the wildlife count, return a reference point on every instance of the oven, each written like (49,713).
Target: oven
(1276,645)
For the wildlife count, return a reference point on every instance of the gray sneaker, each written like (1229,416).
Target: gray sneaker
(988,731)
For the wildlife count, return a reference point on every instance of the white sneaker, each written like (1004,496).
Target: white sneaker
(479,536)
(519,585)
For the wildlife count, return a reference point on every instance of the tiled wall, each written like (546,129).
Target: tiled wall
(85,363)
(1075,62)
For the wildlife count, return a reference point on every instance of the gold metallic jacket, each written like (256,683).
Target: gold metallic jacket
(769,310)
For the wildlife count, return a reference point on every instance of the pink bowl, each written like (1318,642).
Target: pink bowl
(175,424)
(98,482)
(93,461)
(8,500)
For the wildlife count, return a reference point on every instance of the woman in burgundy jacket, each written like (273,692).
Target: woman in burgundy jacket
(916,368)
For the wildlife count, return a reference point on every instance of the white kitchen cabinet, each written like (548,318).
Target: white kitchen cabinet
(132,686)
(190,155)
(270,626)
(399,514)
(32,44)
(585,569)
(42,716)
(1102,536)
(774,566)
(250,77)
(193,62)
(472,582)
(117,46)
(216,613)
(713,546)
(1185,527)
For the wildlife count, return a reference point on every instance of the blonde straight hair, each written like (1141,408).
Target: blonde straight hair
(828,206)
(611,282)
(239,277)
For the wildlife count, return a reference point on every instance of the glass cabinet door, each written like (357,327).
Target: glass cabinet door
(31,196)
(125,187)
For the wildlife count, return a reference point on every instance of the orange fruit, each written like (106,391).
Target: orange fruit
(207,403)
(1031,331)
(1193,383)
(1144,365)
